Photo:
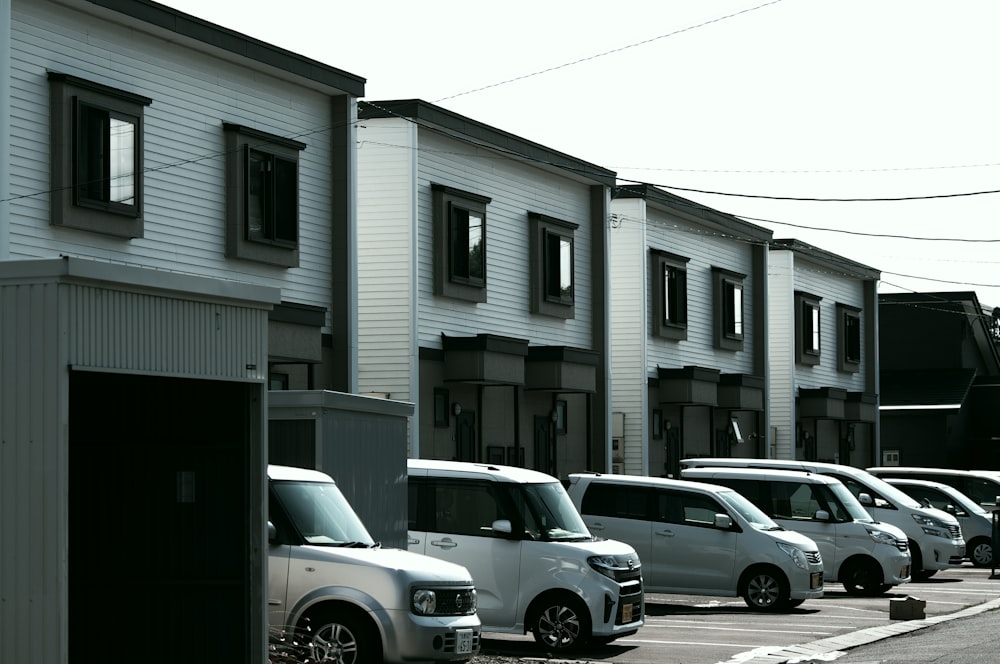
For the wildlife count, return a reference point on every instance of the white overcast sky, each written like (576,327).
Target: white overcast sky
(765,100)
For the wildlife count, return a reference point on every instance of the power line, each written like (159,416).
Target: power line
(881,199)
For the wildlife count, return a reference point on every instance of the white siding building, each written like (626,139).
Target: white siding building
(688,331)
(823,358)
(176,228)
(482,277)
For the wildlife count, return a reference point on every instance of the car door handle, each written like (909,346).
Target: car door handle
(412,540)
(665,533)
(446,543)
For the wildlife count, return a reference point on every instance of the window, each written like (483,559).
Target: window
(669,289)
(262,196)
(552,266)
(729,309)
(621,502)
(807,328)
(849,339)
(97,157)
(460,249)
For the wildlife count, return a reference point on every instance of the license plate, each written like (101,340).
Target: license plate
(816,580)
(905,572)
(463,641)
(626,613)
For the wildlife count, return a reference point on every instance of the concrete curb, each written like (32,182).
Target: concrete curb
(825,650)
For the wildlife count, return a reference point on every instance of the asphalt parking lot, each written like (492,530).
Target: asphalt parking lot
(686,629)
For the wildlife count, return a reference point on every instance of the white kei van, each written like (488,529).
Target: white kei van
(977,523)
(983,486)
(535,565)
(866,557)
(935,537)
(701,539)
(335,595)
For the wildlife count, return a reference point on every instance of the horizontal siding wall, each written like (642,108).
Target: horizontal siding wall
(516,189)
(706,248)
(781,353)
(184,192)
(630,327)
(386,357)
(835,288)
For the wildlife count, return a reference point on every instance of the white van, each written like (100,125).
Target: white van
(867,558)
(535,565)
(983,486)
(935,537)
(701,539)
(335,595)
(977,523)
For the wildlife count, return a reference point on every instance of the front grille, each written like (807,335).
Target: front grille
(902,545)
(623,575)
(814,557)
(455,602)
(634,599)
(955,531)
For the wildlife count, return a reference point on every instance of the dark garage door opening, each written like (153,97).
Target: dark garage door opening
(159,537)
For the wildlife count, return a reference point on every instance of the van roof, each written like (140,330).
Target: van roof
(497,472)
(758,473)
(783,464)
(985,474)
(290,473)
(652,481)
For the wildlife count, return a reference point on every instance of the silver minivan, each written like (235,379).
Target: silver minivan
(334,594)
(868,558)
(701,539)
(536,566)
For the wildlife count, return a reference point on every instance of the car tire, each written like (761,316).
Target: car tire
(862,576)
(341,638)
(560,622)
(764,589)
(980,552)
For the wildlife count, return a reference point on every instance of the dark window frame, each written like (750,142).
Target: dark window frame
(808,328)
(546,264)
(849,338)
(730,324)
(449,206)
(669,289)
(277,243)
(82,187)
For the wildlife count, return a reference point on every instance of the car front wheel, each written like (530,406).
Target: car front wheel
(561,623)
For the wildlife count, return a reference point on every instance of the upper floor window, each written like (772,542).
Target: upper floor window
(669,289)
(552,265)
(460,249)
(807,328)
(849,338)
(729,309)
(97,156)
(262,196)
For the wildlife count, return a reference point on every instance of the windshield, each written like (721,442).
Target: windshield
(321,514)
(850,505)
(549,513)
(753,515)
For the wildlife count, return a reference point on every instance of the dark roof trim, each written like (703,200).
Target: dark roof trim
(234,42)
(562,354)
(300,314)
(485,342)
(671,203)
(827,258)
(427,114)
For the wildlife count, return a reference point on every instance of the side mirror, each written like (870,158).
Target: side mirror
(866,500)
(723,521)
(951,509)
(821,515)
(502,526)
(272,532)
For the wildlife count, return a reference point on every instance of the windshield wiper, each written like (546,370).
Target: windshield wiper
(358,545)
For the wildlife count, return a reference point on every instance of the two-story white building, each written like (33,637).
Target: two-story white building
(689,330)
(483,288)
(823,355)
(176,229)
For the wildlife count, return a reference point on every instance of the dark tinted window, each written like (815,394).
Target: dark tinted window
(616,501)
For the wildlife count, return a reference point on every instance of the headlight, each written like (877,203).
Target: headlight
(882,537)
(932,526)
(795,553)
(605,565)
(424,602)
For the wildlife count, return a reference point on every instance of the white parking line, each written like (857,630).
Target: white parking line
(692,643)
